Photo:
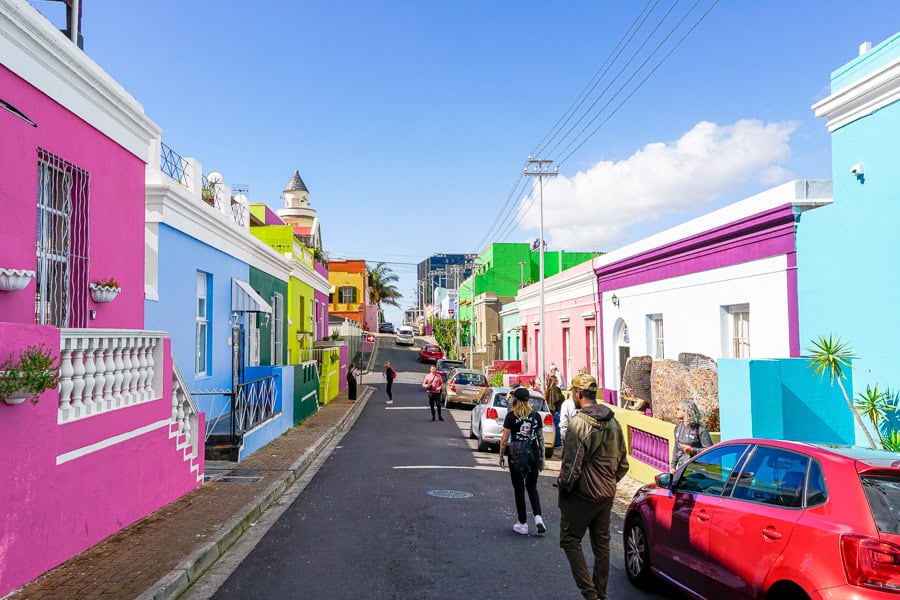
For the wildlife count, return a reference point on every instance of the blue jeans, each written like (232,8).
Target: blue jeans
(557,441)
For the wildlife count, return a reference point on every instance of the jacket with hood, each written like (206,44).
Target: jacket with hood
(594,455)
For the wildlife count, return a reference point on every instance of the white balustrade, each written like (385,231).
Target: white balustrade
(104,369)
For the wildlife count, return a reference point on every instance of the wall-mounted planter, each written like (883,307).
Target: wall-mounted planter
(13,280)
(104,293)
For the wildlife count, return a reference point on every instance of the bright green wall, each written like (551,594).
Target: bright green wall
(267,286)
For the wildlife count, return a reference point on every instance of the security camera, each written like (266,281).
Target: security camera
(856,169)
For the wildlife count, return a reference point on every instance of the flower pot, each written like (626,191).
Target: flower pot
(104,293)
(13,280)
(19,395)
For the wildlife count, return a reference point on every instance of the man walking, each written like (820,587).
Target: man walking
(433,385)
(594,460)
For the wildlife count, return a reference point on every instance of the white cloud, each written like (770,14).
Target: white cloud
(595,207)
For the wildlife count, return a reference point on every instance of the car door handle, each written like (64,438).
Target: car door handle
(771,533)
(703,516)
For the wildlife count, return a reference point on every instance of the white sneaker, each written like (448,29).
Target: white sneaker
(539,524)
(521,528)
(390,401)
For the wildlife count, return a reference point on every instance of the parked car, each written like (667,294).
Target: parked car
(490,410)
(463,386)
(757,518)
(430,353)
(405,337)
(386,327)
(445,365)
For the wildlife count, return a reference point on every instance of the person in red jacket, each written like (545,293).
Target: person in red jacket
(433,384)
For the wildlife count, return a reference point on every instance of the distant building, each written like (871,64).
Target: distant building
(441,271)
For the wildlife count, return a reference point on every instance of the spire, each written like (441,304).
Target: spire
(296,184)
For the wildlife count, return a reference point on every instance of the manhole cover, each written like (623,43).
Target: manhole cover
(448,494)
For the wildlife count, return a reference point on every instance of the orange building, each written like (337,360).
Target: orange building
(349,297)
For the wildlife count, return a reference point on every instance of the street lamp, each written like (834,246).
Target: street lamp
(541,169)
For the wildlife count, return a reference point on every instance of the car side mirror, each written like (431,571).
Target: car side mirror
(664,480)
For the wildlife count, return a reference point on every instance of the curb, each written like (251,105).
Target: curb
(188,571)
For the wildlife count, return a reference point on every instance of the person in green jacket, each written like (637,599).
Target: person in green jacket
(594,460)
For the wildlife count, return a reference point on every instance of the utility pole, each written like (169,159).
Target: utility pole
(456,271)
(540,169)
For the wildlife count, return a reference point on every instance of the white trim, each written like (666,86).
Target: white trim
(588,315)
(173,205)
(564,318)
(312,393)
(35,50)
(862,97)
(112,441)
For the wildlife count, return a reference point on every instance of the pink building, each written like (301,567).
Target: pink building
(570,323)
(118,438)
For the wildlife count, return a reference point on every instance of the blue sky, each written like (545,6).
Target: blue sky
(410,122)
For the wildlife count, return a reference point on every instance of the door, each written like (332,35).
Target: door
(759,518)
(682,529)
(567,356)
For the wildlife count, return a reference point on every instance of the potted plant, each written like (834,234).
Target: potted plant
(13,280)
(105,290)
(27,376)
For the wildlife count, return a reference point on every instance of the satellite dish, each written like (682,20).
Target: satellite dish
(240,198)
(214,178)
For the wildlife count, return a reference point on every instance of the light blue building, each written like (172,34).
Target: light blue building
(846,260)
(200,259)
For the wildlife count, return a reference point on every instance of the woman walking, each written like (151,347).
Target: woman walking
(389,375)
(522,431)
(690,436)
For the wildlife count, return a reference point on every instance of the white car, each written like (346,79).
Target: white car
(490,411)
(405,336)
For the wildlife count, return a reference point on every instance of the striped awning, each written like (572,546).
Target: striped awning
(245,299)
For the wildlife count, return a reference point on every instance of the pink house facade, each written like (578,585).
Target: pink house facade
(570,323)
(118,438)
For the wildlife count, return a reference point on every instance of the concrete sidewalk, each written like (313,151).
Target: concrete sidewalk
(160,556)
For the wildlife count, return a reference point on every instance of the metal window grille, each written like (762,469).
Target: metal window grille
(658,338)
(62,243)
(172,164)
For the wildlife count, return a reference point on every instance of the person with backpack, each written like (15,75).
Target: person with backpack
(433,384)
(389,376)
(523,432)
(594,460)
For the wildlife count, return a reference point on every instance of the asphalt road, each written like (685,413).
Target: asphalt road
(406,508)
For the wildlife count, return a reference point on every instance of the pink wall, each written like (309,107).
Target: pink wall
(116,202)
(53,512)
(553,337)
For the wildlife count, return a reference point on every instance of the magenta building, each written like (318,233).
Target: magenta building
(118,438)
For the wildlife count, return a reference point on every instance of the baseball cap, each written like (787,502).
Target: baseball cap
(521,393)
(584,382)
(553,366)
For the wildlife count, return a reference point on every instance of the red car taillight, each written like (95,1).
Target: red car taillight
(491,413)
(871,563)
(452,387)
(548,420)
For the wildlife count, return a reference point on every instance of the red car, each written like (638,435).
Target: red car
(771,519)
(430,353)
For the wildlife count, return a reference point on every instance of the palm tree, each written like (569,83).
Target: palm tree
(381,286)
(874,404)
(830,355)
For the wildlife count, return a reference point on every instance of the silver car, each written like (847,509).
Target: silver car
(490,412)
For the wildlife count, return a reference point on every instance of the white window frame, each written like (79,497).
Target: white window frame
(736,331)
(202,330)
(253,340)
(277,334)
(656,346)
(342,293)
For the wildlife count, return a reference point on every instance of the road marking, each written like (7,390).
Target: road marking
(476,468)
(406,408)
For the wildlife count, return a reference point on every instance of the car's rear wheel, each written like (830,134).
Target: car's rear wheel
(482,445)
(472,435)
(637,553)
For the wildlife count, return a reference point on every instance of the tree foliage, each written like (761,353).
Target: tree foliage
(444,331)
(381,286)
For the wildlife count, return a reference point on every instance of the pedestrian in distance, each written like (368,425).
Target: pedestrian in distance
(389,376)
(433,385)
(594,460)
(555,401)
(554,372)
(522,432)
(691,437)
(567,412)
(351,382)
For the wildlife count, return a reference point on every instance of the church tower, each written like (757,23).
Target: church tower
(298,214)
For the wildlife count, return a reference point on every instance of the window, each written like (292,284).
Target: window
(253,340)
(737,327)
(62,242)
(202,331)
(773,476)
(590,336)
(655,345)
(348,294)
(277,330)
(709,472)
